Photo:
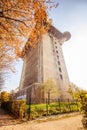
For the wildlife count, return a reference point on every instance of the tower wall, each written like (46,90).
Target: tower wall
(53,63)
(46,61)
(30,68)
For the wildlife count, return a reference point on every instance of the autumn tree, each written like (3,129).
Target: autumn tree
(17,20)
(50,89)
(83,97)
(5,96)
(20,19)
(74,90)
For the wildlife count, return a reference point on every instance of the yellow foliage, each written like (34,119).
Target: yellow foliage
(5,96)
(18,20)
(51,87)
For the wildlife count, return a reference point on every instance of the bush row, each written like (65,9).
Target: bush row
(17,107)
(84,109)
(38,110)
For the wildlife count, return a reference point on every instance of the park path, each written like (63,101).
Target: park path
(6,119)
(65,123)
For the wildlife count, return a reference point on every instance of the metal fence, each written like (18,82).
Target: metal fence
(51,107)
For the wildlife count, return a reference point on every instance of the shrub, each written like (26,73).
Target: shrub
(16,107)
(5,96)
(37,110)
(84,108)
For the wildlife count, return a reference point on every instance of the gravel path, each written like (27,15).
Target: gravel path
(6,119)
(65,123)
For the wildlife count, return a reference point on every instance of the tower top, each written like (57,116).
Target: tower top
(62,37)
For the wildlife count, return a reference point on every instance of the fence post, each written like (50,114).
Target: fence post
(59,104)
(46,107)
(77,104)
(49,97)
(29,109)
(69,105)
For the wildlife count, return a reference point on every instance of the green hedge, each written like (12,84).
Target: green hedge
(17,107)
(84,109)
(39,110)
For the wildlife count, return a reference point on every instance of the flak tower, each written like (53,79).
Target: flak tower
(46,61)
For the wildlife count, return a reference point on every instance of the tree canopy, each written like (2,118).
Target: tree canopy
(50,88)
(5,96)
(18,20)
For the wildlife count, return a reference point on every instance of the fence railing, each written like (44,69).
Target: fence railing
(51,107)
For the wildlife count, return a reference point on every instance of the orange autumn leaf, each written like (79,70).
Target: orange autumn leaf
(21,21)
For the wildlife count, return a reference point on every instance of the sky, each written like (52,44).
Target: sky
(70,15)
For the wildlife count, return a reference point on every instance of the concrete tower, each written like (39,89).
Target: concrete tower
(46,61)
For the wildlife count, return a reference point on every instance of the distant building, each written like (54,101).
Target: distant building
(46,61)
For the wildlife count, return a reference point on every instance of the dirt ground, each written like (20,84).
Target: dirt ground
(64,123)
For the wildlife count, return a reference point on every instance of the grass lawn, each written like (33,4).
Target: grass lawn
(38,110)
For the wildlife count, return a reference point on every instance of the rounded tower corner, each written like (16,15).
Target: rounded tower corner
(67,35)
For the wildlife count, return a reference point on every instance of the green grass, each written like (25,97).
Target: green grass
(39,110)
